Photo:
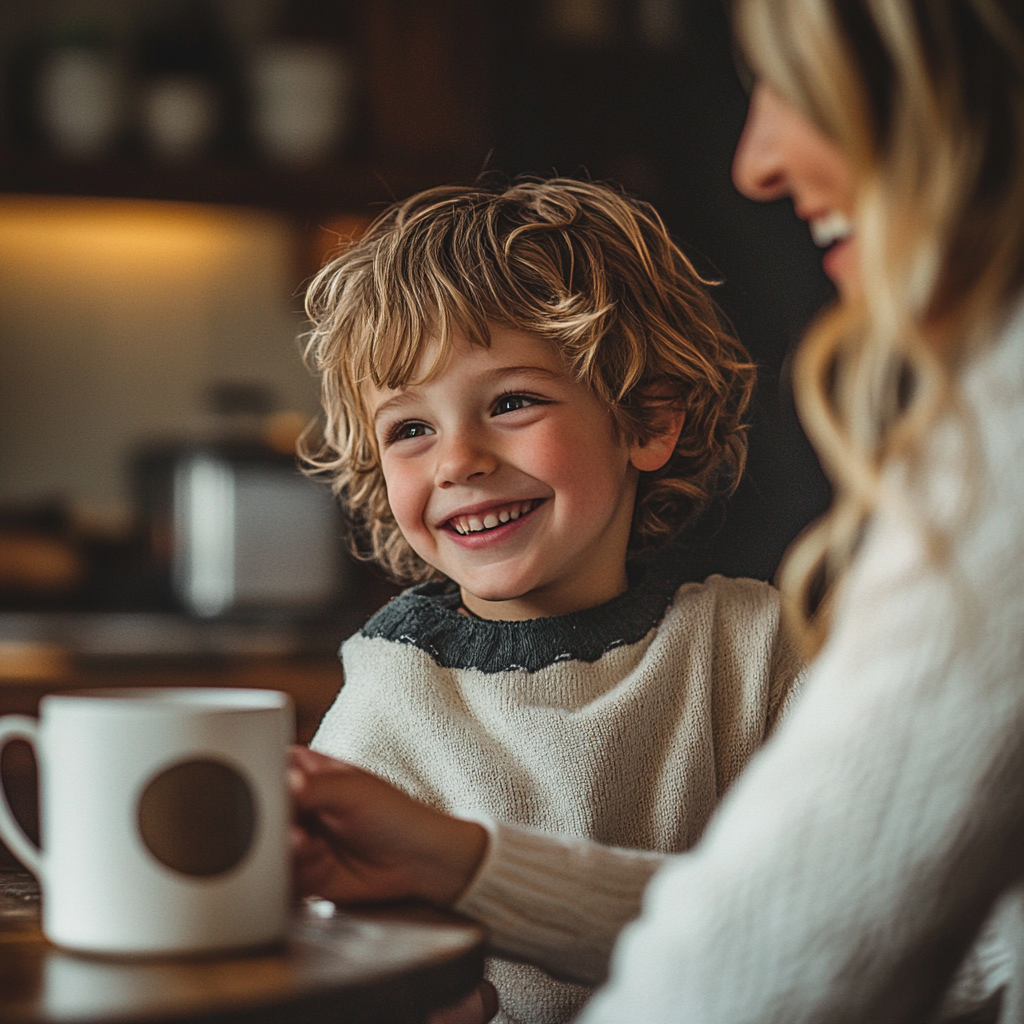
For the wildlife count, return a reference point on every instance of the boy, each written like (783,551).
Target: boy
(521,386)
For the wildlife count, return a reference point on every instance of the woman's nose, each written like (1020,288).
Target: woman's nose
(758,168)
(463,458)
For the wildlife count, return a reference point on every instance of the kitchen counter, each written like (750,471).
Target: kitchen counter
(118,635)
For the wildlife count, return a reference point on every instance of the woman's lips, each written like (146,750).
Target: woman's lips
(836,261)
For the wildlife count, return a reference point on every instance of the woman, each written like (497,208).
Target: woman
(866,866)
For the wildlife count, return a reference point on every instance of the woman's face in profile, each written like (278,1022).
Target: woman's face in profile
(782,154)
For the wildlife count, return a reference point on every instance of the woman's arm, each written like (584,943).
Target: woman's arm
(852,864)
(558,902)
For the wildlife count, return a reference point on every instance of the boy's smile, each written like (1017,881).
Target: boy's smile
(475,520)
(509,477)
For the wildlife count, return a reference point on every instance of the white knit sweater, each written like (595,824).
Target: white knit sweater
(849,869)
(624,723)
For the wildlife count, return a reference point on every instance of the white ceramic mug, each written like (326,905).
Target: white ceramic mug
(164,818)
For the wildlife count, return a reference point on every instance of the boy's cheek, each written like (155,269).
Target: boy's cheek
(407,501)
(409,511)
(409,514)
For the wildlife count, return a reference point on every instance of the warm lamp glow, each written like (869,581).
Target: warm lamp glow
(116,319)
(103,238)
(334,234)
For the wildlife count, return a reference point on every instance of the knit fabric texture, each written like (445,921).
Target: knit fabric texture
(624,723)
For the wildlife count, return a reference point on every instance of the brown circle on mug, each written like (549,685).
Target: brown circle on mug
(197,817)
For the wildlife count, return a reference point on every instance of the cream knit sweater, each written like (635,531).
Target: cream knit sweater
(851,866)
(624,723)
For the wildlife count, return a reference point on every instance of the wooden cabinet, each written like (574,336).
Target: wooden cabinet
(351,185)
(420,118)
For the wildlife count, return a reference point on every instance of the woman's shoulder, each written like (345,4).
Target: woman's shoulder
(992,385)
(967,486)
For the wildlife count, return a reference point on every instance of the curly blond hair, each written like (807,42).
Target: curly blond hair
(574,262)
(926,102)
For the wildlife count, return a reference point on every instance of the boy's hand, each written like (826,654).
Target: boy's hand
(357,839)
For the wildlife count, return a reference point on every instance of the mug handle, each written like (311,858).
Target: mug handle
(18,727)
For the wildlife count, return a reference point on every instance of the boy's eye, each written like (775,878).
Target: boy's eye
(512,403)
(405,431)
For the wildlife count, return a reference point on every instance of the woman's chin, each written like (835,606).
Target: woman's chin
(841,264)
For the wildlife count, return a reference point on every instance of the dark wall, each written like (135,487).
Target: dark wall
(663,121)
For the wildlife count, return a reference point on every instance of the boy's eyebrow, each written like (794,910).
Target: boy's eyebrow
(397,399)
(538,372)
(407,394)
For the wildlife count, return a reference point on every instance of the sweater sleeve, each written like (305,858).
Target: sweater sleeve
(848,871)
(556,901)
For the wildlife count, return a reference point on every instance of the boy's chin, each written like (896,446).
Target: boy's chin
(491,601)
(492,588)
(494,597)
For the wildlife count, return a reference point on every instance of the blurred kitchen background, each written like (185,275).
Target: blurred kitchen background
(171,174)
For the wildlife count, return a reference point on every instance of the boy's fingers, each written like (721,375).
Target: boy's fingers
(310,761)
(304,758)
(343,789)
(313,866)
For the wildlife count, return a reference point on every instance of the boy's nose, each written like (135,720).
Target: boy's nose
(463,459)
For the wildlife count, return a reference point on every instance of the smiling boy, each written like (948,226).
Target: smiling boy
(524,389)
(506,475)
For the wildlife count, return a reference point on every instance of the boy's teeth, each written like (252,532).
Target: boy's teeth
(833,228)
(471,524)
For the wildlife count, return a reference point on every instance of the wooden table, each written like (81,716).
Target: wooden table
(384,967)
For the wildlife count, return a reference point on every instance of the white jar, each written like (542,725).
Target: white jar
(179,116)
(80,101)
(301,95)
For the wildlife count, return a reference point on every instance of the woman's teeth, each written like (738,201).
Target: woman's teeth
(833,228)
(493,518)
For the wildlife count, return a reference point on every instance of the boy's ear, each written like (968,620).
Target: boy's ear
(658,449)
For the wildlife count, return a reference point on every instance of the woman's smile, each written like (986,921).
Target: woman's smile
(782,154)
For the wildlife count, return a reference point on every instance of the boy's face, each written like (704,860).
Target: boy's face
(507,476)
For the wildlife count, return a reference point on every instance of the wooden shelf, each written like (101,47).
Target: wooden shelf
(354,185)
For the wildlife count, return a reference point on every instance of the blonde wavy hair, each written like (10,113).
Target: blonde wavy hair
(926,101)
(577,263)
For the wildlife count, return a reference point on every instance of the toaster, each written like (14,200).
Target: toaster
(238,528)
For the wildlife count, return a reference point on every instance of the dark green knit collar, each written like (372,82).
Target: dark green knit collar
(427,617)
